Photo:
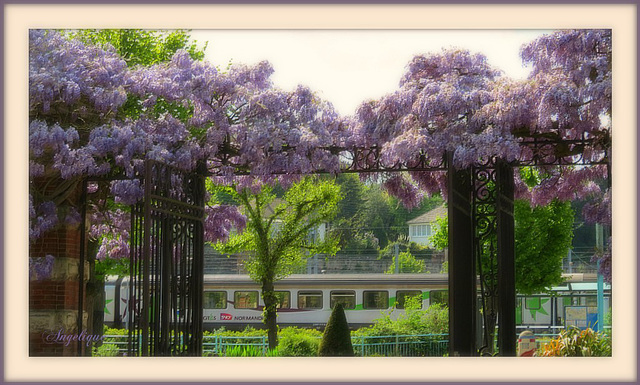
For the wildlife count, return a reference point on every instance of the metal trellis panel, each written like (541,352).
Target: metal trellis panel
(167,264)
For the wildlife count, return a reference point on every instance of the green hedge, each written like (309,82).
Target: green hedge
(298,342)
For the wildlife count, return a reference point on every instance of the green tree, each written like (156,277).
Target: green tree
(354,191)
(142,47)
(440,236)
(348,224)
(386,217)
(336,340)
(377,214)
(543,237)
(408,264)
(278,242)
(369,218)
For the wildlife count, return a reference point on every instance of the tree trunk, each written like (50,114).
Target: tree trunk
(270,320)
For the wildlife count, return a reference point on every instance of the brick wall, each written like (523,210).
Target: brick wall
(53,302)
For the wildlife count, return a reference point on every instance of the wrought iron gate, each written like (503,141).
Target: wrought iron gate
(481,238)
(165,296)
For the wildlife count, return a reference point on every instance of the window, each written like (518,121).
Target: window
(284,299)
(421,231)
(310,300)
(346,298)
(403,295)
(439,296)
(245,299)
(215,300)
(375,299)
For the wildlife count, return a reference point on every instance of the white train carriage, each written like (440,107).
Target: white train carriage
(307,300)
(235,301)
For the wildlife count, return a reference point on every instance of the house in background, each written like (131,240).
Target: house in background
(422,228)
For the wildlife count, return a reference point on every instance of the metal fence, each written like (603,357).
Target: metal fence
(219,345)
(425,345)
(116,345)
(428,345)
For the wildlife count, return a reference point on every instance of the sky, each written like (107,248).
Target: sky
(347,67)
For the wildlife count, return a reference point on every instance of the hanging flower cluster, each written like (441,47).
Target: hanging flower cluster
(455,101)
(92,115)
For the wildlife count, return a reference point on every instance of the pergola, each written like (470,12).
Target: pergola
(168,222)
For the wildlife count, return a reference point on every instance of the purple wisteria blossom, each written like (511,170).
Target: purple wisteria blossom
(603,258)
(41,268)
(79,127)
(236,121)
(43,219)
(220,221)
(455,101)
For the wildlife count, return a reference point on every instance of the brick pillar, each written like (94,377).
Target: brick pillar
(53,302)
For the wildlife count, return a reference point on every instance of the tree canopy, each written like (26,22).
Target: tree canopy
(277,236)
(82,123)
(543,237)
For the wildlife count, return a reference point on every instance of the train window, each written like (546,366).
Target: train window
(284,299)
(439,296)
(375,299)
(309,300)
(215,300)
(245,299)
(403,295)
(346,297)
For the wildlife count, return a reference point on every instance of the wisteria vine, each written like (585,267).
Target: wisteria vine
(248,132)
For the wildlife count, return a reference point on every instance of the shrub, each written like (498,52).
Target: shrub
(114,332)
(408,264)
(297,342)
(577,343)
(248,331)
(433,320)
(106,350)
(421,329)
(336,340)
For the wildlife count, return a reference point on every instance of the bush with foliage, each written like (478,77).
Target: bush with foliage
(336,340)
(405,245)
(299,342)
(407,264)
(105,350)
(421,330)
(574,342)
(248,331)
(293,341)
(107,331)
(415,321)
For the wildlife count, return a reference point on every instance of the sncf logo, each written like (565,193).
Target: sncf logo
(225,317)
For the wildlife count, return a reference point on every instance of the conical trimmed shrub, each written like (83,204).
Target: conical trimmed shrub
(336,341)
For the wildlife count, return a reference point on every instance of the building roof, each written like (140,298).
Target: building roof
(430,216)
